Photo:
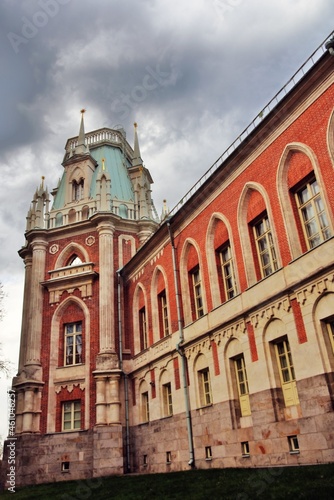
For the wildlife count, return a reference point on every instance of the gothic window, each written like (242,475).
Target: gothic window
(330,330)
(227,271)
(77,190)
(163,314)
(71,415)
(167,399)
(312,214)
(73,344)
(74,260)
(145,409)
(204,385)
(242,385)
(143,328)
(196,295)
(286,372)
(264,245)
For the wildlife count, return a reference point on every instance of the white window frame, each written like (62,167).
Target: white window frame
(163,318)
(227,271)
(73,344)
(71,416)
(312,213)
(242,385)
(197,291)
(205,391)
(286,372)
(143,327)
(167,399)
(145,407)
(265,247)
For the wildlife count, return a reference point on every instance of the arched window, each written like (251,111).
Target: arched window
(192,282)
(257,233)
(160,305)
(74,260)
(303,199)
(59,219)
(71,216)
(237,374)
(221,260)
(140,320)
(202,374)
(77,190)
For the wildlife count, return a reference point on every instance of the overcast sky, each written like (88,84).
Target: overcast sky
(192,73)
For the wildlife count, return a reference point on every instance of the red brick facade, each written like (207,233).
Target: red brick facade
(213,328)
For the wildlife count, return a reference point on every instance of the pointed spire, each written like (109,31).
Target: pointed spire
(81,147)
(136,160)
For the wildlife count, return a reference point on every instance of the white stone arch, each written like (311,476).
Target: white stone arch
(76,175)
(323,310)
(71,248)
(330,137)
(155,304)
(76,374)
(247,253)
(186,302)
(135,316)
(201,362)
(142,388)
(129,240)
(211,257)
(232,348)
(283,193)
(274,329)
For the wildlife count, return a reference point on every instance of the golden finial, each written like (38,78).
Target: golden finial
(43,180)
(135,124)
(82,111)
(103,166)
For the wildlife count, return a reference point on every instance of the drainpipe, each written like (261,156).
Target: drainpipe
(181,352)
(126,380)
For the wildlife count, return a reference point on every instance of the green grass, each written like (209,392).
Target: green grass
(303,482)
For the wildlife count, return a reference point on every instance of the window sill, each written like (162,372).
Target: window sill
(296,452)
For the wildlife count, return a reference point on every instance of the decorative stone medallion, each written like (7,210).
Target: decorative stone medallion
(54,248)
(90,240)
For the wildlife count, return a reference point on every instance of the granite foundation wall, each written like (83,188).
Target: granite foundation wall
(35,459)
(219,433)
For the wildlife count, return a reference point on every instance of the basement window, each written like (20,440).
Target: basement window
(208,453)
(245,449)
(293,445)
(65,466)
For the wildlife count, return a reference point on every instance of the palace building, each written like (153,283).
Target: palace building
(202,338)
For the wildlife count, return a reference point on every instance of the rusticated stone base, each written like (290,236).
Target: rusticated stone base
(64,456)
(219,432)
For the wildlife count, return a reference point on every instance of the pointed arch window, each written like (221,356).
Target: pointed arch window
(73,343)
(143,329)
(312,213)
(196,295)
(77,190)
(265,245)
(74,260)
(163,314)
(227,271)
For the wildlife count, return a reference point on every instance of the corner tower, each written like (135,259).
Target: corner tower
(69,378)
